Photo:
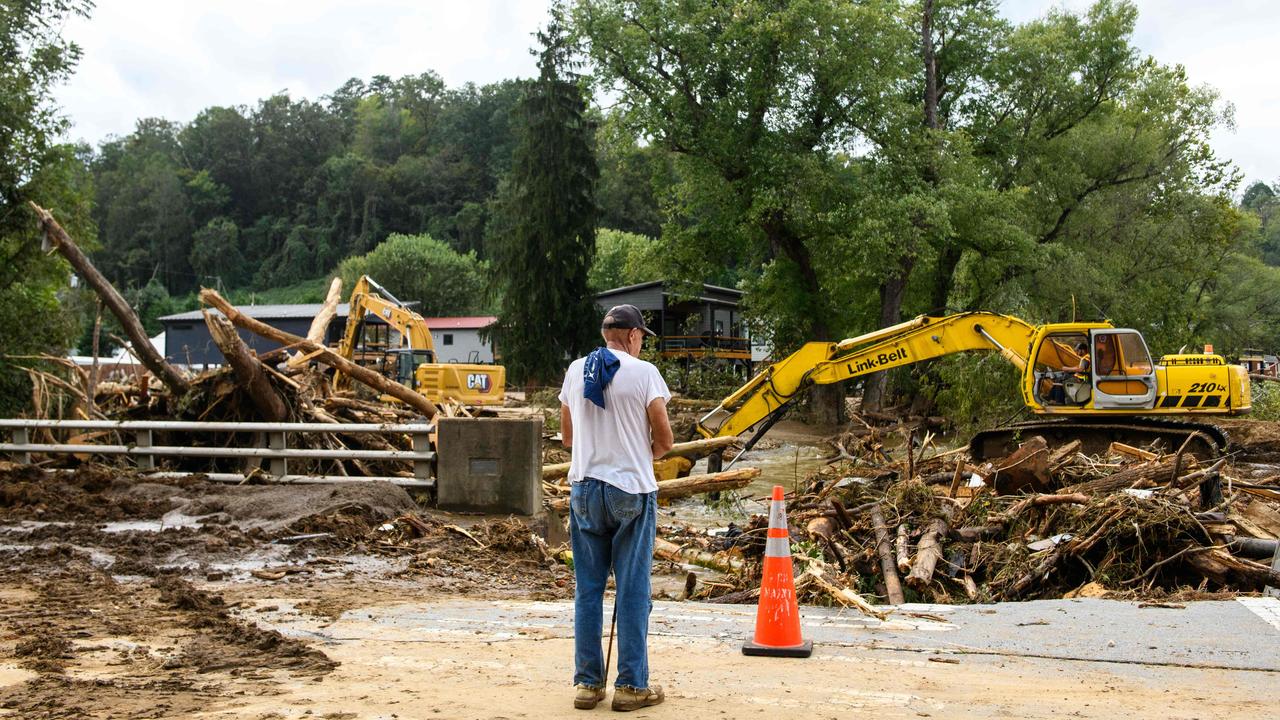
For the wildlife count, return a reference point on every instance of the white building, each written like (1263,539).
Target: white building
(457,339)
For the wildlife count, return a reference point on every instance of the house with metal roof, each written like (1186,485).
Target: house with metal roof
(694,321)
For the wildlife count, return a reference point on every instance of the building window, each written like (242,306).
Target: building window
(448,339)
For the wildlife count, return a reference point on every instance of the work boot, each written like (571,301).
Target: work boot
(587,697)
(626,698)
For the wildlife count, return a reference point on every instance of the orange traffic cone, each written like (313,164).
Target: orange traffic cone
(778,614)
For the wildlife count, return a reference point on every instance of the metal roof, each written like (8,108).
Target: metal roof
(264,312)
(473,322)
(663,283)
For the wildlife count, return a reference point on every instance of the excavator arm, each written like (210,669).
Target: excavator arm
(370,298)
(821,363)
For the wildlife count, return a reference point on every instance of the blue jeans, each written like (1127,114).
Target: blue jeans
(610,527)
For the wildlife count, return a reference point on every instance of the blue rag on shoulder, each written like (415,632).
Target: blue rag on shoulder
(597,373)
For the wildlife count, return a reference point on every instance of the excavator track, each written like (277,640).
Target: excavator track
(1095,435)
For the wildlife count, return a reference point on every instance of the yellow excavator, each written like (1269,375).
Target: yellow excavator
(1097,379)
(385,333)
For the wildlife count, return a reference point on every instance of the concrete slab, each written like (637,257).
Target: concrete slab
(1078,658)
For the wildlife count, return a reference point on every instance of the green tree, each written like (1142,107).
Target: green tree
(623,258)
(419,268)
(545,236)
(761,105)
(34,166)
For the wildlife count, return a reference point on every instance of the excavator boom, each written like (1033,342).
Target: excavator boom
(819,363)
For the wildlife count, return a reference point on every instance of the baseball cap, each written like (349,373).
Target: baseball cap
(625,317)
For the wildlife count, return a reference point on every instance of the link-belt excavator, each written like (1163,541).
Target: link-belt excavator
(1097,380)
(386,334)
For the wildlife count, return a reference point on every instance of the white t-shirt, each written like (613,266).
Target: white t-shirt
(613,443)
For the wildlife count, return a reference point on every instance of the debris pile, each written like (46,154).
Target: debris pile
(1040,523)
(289,384)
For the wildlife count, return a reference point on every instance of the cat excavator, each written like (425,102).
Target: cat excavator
(386,334)
(1089,381)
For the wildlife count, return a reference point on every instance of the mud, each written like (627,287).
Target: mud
(123,598)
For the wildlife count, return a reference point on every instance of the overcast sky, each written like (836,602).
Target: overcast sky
(172,58)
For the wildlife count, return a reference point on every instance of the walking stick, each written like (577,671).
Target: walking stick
(609,654)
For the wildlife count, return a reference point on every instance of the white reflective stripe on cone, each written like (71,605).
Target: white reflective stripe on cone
(777,547)
(777,514)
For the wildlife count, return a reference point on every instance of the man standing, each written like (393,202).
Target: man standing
(613,414)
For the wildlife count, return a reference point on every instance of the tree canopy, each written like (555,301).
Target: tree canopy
(36,166)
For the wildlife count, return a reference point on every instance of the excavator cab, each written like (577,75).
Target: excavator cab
(407,362)
(1120,374)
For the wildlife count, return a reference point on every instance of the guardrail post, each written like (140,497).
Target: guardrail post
(422,443)
(279,466)
(21,437)
(145,462)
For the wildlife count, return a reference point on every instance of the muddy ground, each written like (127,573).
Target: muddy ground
(129,599)
(121,598)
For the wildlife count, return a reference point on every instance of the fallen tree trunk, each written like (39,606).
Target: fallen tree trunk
(1154,471)
(686,486)
(884,549)
(247,369)
(1226,569)
(692,449)
(320,324)
(322,354)
(928,554)
(710,482)
(667,550)
(58,238)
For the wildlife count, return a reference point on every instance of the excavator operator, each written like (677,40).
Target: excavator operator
(1078,372)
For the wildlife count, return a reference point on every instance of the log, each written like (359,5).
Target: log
(693,450)
(1157,471)
(892,584)
(667,550)
(686,486)
(1226,569)
(903,549)
(928,553)
(58,238)
(325,355)
(320,323)
(709,482)
(247,369)
(1040,501)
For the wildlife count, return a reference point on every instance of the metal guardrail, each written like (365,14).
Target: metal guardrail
(277,452)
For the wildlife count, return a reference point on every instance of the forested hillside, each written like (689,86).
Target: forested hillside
(847,164)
